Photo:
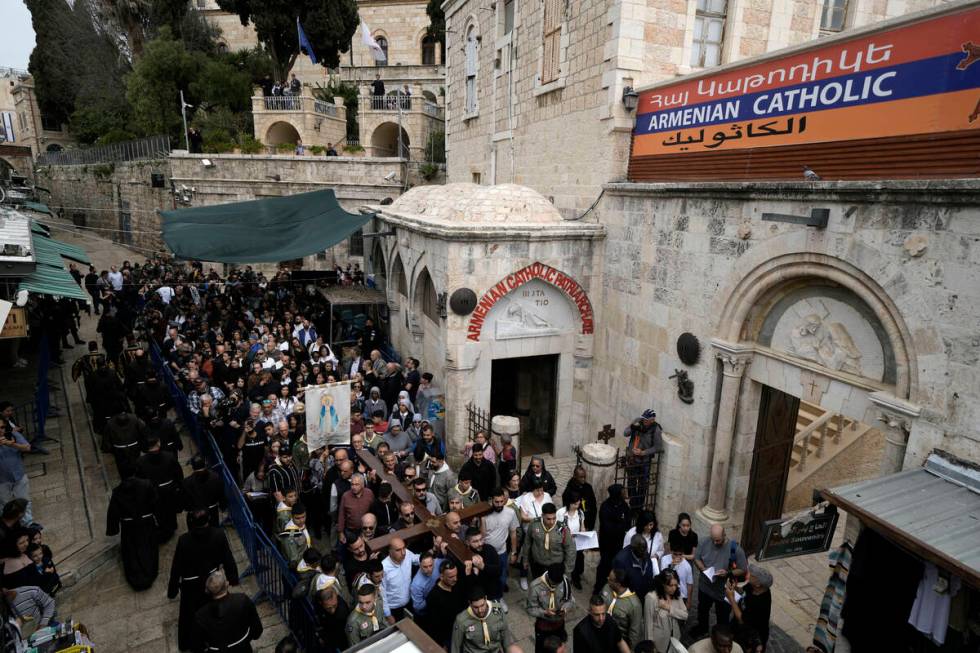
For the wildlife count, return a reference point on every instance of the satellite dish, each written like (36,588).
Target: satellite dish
(21,297)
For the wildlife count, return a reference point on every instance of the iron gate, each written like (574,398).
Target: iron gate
(479,420)
(640,477)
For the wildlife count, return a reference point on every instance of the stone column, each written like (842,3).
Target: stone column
(599,460)
(507,425)
(733,367)
(896,418)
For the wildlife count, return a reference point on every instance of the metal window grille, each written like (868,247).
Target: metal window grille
(709,33)
(551,61)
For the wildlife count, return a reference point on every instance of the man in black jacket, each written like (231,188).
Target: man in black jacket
(613,523)
(586,495)
(483,474)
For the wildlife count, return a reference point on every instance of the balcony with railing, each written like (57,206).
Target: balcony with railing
(403,104)
(280,119)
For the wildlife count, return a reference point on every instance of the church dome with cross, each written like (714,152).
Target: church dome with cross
(476,204)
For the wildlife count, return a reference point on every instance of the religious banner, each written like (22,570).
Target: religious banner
(327,414)
(435,411)
(918,78)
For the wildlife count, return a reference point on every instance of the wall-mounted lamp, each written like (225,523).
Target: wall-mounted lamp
(207,163)
(630,99)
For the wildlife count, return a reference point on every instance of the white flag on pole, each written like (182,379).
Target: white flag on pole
(372,45)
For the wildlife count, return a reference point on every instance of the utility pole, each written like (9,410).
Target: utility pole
(183,115)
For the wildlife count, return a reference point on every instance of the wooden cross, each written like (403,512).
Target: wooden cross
(607,433)
(430,525)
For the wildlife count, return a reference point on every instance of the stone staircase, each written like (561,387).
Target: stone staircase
(820,436)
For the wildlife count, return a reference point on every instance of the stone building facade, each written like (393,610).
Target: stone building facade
(21,120)
(536,86)
(871,318)
(414,60)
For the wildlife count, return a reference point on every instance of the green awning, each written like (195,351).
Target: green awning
(47,280)
(45,254)
(40,228)
(64,249)
(260,231)
(37,206)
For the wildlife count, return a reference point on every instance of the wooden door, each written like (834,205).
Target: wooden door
(770,463)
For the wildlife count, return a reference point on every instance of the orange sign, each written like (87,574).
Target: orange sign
(917,78)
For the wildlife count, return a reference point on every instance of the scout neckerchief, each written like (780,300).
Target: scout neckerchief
(374,617)
(615,597)
(486,629)
(547,534)
(551,591)
(292,528)
(465,494)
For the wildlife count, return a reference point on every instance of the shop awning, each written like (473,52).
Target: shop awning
(260,231)
(64,249)
(48,280)
(40,228)
(39,207)
(932,512)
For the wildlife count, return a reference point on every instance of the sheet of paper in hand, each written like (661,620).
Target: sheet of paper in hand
(327,414)
(586,540)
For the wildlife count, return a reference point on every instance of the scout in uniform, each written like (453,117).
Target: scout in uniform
(464,490)
(547,542)
(294,539)
(367,618)
(482,627)
(548,599)
(284,511)
(624,607)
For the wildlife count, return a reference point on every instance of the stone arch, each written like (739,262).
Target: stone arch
(744,306)
(430,96)
(378,263)
(428,47)
(54,147)
(384,140)
(426,298)
(400,281)
(280,132)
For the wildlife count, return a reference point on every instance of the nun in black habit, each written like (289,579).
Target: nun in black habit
(535,469)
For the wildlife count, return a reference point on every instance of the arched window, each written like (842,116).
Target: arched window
(383,44)
(472,64)
(428,51)
(378,264)
(398,276)
(425,296)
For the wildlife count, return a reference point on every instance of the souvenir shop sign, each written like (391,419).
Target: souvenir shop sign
(799,537)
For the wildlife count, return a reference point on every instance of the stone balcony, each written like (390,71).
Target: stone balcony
(430,77)
(418,115)
(290,118)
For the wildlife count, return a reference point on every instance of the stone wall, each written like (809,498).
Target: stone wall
(98,196)
(567,138)
(675,255)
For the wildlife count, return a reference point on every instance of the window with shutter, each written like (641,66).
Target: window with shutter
(471,68)
(833,16)
(551,59)
(709,33)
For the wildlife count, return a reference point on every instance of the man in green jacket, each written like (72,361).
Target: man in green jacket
(548,542)
(548,599)
(624,607)
(294,539)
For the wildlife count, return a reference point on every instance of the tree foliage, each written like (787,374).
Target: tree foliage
(346,90)
(71,58)
(153,88)
(329,25)
(437,21)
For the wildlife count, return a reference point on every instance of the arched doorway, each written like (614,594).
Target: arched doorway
(384,140)
(812,351)
(281,132)
(54,147)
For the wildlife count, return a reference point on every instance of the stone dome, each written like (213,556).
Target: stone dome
(476,204)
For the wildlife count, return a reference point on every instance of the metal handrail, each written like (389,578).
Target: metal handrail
(325,108)
(283,103)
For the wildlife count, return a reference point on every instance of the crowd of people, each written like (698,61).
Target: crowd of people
(243,349)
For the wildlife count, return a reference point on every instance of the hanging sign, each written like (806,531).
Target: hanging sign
(798,537)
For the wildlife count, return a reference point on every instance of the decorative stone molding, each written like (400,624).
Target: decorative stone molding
(734,357)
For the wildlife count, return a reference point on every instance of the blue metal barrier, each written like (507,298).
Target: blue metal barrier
(275,579)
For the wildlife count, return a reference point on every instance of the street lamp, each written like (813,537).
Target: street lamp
(183,115)
(630,99)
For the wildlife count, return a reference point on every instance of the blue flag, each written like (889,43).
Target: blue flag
(304,43)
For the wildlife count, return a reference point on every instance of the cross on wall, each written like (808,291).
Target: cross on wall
(430,525)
